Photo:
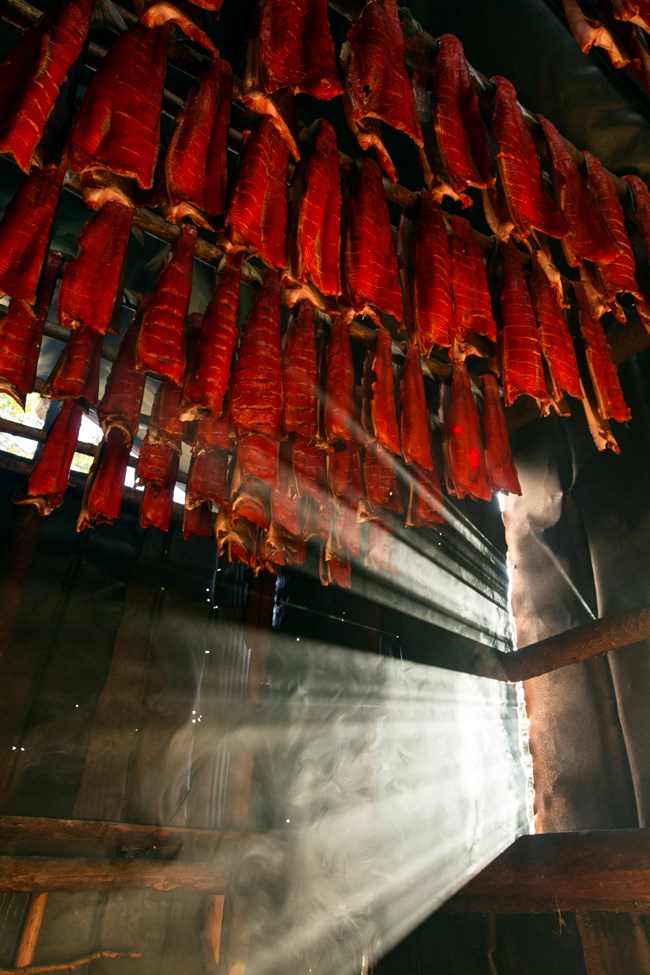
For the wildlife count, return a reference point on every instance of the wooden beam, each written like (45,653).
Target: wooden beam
(607,870)
(35,874)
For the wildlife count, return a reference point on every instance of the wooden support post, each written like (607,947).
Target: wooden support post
(212,932)
(31,930)
(606,870)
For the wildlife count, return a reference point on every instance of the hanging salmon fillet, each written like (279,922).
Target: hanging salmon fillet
(207,379)
(21,333)
(519,346)
(472,301)
(602,370)
(286,514)
(118,125)
(296,49)
(214,434)
(48,480)
(521,176)
(316,196)
(33,73)
(376,83)
(379,549)
(425,505)
(370,259)
(256,389)
(461,138)
(501,472)
(380,479)
(258,211)
(589,32)
(158,502)
(310,471)
(641,196)
(620,274)
(161,340)
(76,373)
(588,237)
(90,287)
(197,521)
(195,171)
(339,417)
(415,428)
(556,341)
(157,466)
(25,232)
(104,489)
(346,485)
(463,447)
(122,400)
(208,479)
(432,277)
(382,405)
(300,373)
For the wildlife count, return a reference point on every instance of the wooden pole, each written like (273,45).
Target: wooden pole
(31,930)
(35,874)
(606,870)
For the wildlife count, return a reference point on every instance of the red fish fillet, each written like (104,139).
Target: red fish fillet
(165,425)
(197,521)
(76,373)
(213,434)
(336,569)
(236,542)
(161,340)
(460,134)
(557,344)
(310,471)
(384,413)
(316,191)
(207,381)
(376,83)
(344,472)
(286,509)
(472,302)
(462,439)
(102,498)
(415,425)
(588,236)
(32,74)
(21,332)
(380,479)
(370,259)
(521,175)
(122,400)
(49,477)
(522,371)
(379,547)
(300,373)
(339,418)
(618,275)
(250,500)
(345,534)
(641,195)
(157,466)
(208,479)
(432,290)
(256,390)
(91,281)
(25,232)
(635,11)
(296,49)
(425,506)
(589,32)
(118,125)
(258,456)
(602,370)
(195,170)
(158,500)
(501,471)
(258,211)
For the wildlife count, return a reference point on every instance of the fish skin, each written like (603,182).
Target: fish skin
(76,373)
(104,489)
(121,401)
(370,258)
(256,386)
(316,247)
(415,430)
(258,211)
(300,373)
(463,445)
(91,281)
(25,232)
(118,124)
(33,73)
(377,86)
(208,375)
(472,301)
(296,48)
(521,175)
(588,237)
(161,340)
(520,351)
(461,138)
(610,402)
(382,407)
(432,278)
(620,274)
(49,477)
(195,171)
(501,471)
(555,338)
